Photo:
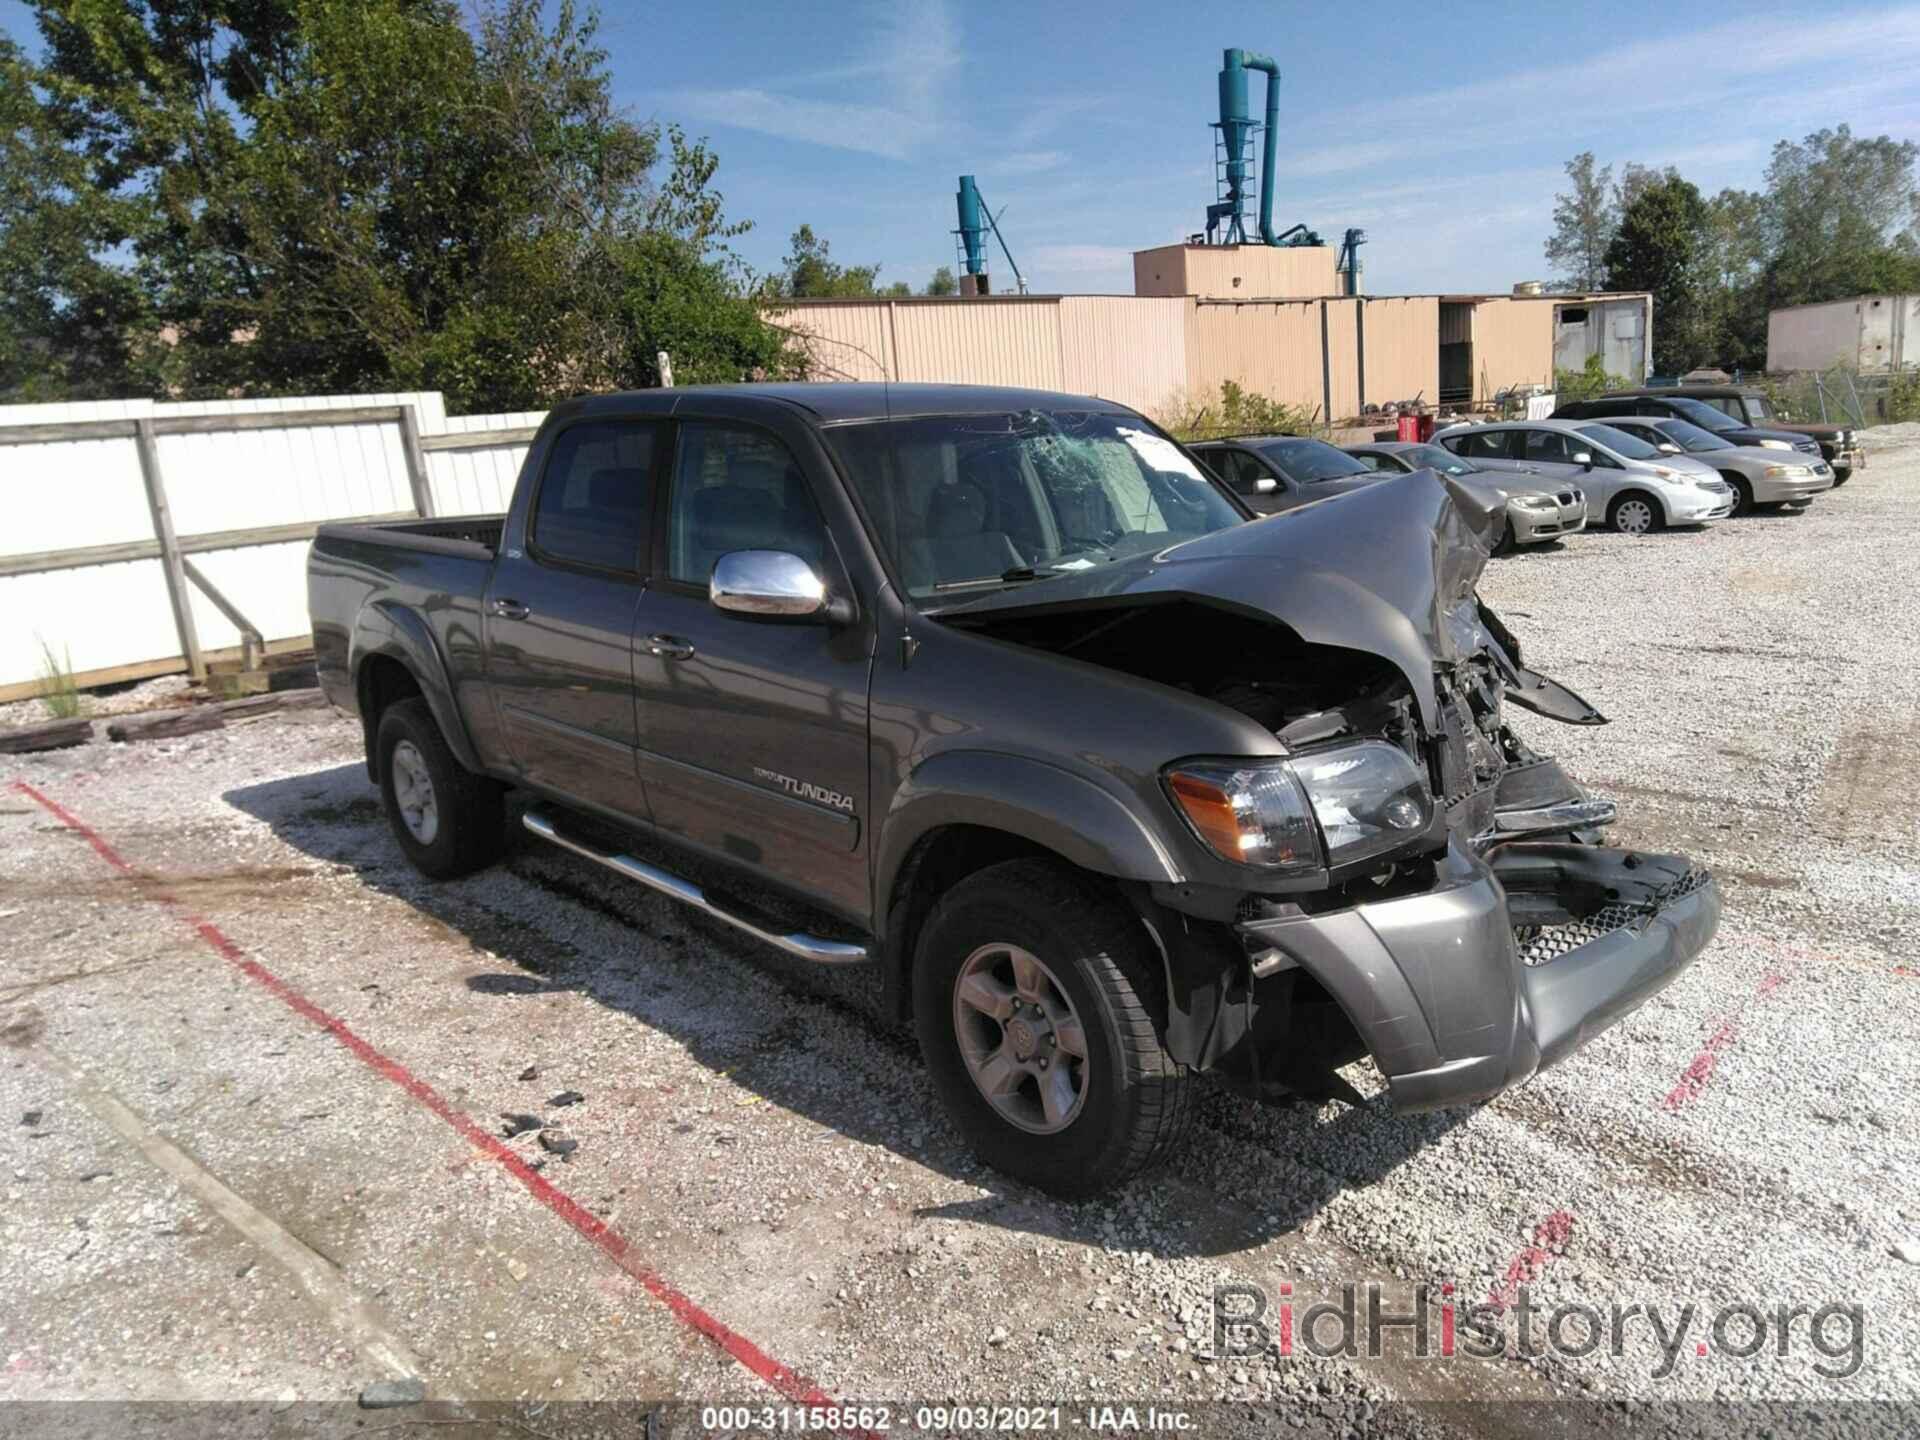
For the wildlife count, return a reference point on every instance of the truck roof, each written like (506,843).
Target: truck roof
(859,399)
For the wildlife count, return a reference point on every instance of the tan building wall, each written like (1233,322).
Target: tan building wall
(1124,348)
(1343,359)
(1512,344)
(1270,348)
(1403,348)
(846,341)
(1236,272)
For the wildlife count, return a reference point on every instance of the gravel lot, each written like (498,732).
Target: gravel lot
(766,1149)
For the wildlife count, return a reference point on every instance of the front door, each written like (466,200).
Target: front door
(559,616)
(753,730)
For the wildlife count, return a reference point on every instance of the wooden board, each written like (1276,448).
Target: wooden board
(54,735)
(166,724)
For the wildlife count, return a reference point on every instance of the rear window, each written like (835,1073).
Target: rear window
(1310,460)
(1620,442)
(592,504)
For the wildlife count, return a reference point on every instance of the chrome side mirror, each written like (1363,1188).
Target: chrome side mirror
(1669,448)
(767,582)
(1265,485)
(1584,457)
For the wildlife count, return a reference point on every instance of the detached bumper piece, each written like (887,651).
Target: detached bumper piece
(1511,963)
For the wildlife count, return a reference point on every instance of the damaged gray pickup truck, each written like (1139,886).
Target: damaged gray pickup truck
(998,692)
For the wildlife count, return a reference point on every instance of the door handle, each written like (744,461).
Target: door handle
(669,647)
(510,609)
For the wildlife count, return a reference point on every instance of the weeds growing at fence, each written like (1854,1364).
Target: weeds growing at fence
(1236,412)
(60,695)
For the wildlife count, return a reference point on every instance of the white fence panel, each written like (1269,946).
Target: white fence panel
(99,618)
(479,481)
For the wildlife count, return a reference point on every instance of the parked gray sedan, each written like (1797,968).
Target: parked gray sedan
(1761,479)
(1540,508)
(1634,484)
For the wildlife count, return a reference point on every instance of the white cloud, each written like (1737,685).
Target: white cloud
(913,52)
(1028,162)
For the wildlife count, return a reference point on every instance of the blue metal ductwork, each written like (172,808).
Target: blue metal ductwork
(976,219)
(1236,124)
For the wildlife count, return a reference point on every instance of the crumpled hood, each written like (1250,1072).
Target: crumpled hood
(1389,568)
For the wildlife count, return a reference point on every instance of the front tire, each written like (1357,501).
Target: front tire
(1035,1001)
(449,821)
(1635,513)
(1742,494)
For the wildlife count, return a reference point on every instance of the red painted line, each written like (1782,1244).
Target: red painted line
(1550,1238)
(1693,1080)
(610,1242)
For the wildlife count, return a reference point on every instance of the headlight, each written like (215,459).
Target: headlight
(1665,474)
(1776,445)
(1536,502)
(1254,814)
(1788,472)
(1368,798)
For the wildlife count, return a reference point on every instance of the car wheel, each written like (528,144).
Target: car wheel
(1504,543)
(1742,493)
(449,821)
(1840,477)
(1634,514)
(1035,1001)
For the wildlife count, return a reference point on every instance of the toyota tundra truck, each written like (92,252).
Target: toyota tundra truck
(998,692)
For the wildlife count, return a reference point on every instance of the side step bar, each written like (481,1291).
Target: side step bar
(807,947)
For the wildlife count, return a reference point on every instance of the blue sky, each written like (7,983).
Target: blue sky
(1088,123)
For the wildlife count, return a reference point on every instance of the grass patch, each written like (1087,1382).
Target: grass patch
(61,696)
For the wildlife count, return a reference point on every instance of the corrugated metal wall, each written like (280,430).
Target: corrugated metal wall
(1512,344)
(1403,348)
(1270,349)
(1123,348)
(478,481)
(1343,358)
(1005,342)
(852,341)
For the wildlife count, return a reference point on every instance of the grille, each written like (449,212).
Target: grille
(1541,946)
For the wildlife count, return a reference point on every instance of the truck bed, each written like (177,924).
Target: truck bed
(447,535)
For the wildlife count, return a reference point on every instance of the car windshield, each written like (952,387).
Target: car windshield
(1692,438)
(1310,461)
(1432,457)
(1621,443)
(1704,415)
(971,502)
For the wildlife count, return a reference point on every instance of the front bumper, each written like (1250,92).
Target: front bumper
(1789,492)
(1511,962)
(1530,527)
(1700,506)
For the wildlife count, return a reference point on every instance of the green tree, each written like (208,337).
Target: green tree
(1731,312)
(1583,224)
(1843,217)
(370,195)
(943,282)
(1658,248)
(811,273)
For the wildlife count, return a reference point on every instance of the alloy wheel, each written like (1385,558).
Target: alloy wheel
(1020,1038)
(413,792)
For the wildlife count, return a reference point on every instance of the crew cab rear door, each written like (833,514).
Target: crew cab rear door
(559,612)
(753,729)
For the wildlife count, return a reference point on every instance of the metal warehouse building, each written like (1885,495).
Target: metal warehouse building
(1261,316)
(1869,333)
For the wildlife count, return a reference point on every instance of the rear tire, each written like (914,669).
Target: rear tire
(449,821)
(1124,1103)
(1635,513)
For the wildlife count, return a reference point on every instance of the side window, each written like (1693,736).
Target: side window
(737,488)
(1727,406)
(1549,447)
(1484,444)
(1248,472)
(1214,460)
(1370,460)
(591,508)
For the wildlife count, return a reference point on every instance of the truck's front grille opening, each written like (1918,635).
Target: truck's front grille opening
(1541,945)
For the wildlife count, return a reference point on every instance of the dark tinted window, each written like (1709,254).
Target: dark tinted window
(592,504)
(1548,446)
(1432,457)
(1245,472)
(1375,462)
(736,488)
(1702,414)
(1311,460)
(1482,444)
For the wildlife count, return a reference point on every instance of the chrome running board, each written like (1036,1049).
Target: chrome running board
(1569,815)
(798,942)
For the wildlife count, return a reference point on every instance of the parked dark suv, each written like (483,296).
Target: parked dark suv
(1705,406)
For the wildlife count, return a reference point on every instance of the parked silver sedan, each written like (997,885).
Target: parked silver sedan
(1633,484)
(1761,479)
(1539,507)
